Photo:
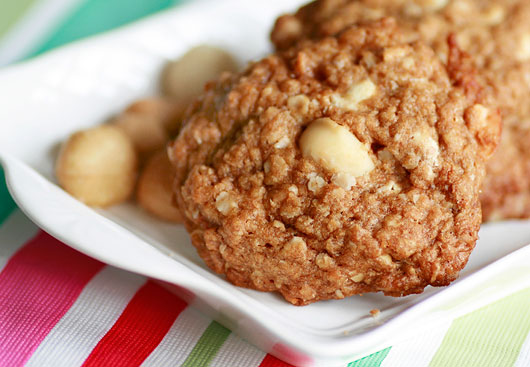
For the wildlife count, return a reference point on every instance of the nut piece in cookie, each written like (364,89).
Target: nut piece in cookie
(336,149)
(337,167)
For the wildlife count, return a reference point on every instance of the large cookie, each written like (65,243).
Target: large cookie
(497,35)
(342,166)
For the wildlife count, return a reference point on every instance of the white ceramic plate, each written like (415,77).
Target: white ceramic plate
(44,100)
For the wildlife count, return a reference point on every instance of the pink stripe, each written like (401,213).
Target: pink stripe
(37,286)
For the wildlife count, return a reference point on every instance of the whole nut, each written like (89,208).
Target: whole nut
(98,166)
(335,148)
(149,123)
(184,78)
(155,188)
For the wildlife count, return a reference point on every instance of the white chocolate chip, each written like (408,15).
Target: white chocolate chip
(293,189)
(224,203)
(355,95)
(336,148)
(523,52)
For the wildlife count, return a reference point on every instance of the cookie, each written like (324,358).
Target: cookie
(341,166)
(497,35)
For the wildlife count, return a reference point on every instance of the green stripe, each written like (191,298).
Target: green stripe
(11,12)
(96,16)
(491,336)
(373,360)
(208,345)
(7,205)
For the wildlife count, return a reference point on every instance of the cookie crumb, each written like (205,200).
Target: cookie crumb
(375,312)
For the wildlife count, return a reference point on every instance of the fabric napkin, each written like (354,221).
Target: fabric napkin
(59,307)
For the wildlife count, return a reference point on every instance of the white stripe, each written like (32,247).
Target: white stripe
(236,352)
(179,341)
(32,28)
(417,351)
(98,307)
(15,232)
(523,360)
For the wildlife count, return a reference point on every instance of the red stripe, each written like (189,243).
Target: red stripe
(272,361)
(140,328)
(37,287)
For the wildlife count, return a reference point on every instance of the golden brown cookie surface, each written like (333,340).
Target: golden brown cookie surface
(497,35)
(342,166)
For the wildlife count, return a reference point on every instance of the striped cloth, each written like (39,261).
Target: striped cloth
(59,307)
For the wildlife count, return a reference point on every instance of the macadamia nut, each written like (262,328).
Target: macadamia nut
(336,148)
(184,78)
(98,166)
(149,123)
(154,192)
